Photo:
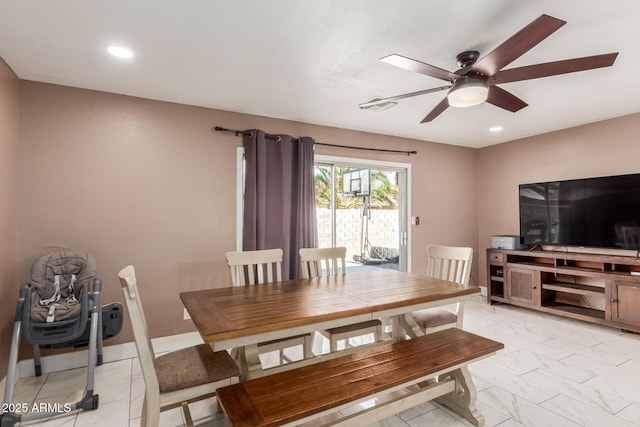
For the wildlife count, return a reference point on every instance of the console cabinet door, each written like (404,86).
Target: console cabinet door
(523,286)
(625,302)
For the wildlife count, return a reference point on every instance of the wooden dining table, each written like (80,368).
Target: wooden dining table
(242,316)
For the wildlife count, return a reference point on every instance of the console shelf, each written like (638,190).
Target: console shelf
(574,288)
(574,311)
(597,288)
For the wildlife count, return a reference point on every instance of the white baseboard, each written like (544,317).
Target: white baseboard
(112,353)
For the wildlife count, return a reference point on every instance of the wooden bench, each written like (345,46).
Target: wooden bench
(309,392)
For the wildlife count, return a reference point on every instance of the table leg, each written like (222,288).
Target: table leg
(248,361)
(404,326)
(397,332)
(463,399)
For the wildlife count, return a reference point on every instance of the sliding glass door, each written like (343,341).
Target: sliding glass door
(363,206)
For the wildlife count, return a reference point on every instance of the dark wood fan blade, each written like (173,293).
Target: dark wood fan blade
(503,99)
(403,96)
(419,67)
(518,44)
(443,105)
(553,68)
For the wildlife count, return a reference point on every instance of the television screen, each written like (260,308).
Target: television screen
(594,212)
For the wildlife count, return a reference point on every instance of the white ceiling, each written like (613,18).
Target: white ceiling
(315,61)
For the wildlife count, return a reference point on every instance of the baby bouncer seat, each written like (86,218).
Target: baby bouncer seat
(60,307)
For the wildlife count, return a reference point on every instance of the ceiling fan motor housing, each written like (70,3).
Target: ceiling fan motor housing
(467,58)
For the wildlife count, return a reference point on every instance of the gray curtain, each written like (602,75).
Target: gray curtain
(279,196)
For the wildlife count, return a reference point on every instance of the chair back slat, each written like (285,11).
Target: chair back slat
(318,262)
(449,263)
(255,267)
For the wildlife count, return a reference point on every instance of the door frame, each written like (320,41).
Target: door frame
(404,196)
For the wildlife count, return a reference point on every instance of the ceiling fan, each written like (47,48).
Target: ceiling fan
(475,82)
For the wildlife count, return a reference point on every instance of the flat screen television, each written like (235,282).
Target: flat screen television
(593,212)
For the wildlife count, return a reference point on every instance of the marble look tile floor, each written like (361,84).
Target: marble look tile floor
(553,372)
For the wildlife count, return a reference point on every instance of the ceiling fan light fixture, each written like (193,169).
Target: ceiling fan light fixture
(467,93)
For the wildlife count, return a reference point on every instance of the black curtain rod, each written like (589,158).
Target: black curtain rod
(275,137)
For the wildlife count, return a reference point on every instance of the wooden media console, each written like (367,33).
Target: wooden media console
(601,289)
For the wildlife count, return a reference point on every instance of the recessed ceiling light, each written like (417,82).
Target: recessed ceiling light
(120,52)
(495,129)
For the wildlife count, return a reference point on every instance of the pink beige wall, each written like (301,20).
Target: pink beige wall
(9,141)
(605,148)
(148,183)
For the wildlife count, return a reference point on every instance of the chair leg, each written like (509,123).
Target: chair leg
(317,343)
(36,360)
(378,334)
(333,346)
(459,314)
(188,421)
(308,344)
(150,412)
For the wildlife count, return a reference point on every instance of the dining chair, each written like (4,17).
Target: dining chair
(319,262)
(258,267)
(447,263)
(177,378)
